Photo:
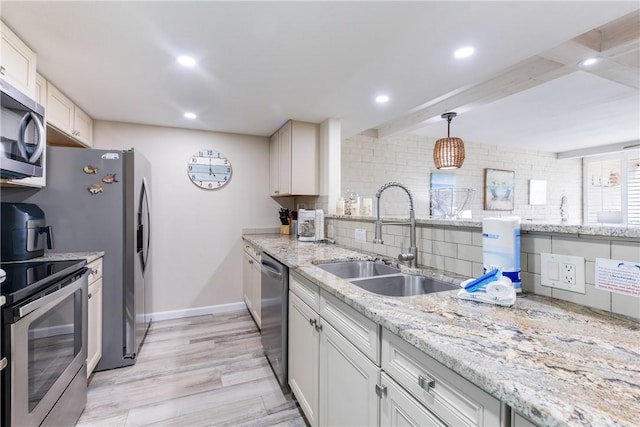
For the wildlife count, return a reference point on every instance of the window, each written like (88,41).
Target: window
(612,189)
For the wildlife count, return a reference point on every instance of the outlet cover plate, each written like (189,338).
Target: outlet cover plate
(562,272)
(361,235)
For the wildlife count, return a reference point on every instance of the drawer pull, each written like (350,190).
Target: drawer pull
(426,383)
(381,390)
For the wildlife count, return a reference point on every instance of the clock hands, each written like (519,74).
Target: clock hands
(210,170)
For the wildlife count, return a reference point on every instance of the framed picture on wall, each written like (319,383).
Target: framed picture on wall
(498,189)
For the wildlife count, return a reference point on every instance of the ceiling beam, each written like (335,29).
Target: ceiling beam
(572,53)
(609,41)
(602,149)
(615,37)
(524,75)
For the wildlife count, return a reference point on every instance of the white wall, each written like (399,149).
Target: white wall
(369,162)
(196,244)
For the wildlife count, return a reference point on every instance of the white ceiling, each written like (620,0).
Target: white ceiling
(261,63)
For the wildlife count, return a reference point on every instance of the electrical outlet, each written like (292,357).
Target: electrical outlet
(562,272)
(569,273)
(361,235)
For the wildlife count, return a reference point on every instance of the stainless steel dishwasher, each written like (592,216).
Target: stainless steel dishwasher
(275,308)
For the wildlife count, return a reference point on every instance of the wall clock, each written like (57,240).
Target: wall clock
(209,169)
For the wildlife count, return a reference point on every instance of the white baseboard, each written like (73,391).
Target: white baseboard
(199,311)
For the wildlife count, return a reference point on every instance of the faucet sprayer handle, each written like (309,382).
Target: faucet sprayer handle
(406,257)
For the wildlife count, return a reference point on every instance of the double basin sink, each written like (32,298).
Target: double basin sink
(385,280)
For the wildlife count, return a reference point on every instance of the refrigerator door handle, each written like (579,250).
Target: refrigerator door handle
(144,226)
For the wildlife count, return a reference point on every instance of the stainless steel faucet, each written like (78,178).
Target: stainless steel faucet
(412,255)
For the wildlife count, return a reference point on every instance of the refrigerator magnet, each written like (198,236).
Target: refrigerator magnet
(109,178)
(90,169)
(95,188)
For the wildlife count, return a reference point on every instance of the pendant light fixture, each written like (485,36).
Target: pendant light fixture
(448,152)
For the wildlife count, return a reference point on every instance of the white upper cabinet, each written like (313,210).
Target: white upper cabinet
(41,93)
(67,118)
(60,110)
(17,63)
(294,169)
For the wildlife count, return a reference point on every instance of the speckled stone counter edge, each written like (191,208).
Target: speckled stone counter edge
(526,226)
(62,256)
(527,380)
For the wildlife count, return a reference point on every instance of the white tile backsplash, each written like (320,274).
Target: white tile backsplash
(623,304)
(458,236)
(595,298)
(590,249)
(626,251)
(458,251)
(445,249)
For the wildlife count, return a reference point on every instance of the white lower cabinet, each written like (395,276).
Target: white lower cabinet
(94,314)
(453,399)
(348,382)
(304,356)
(399,408)
(345,371)
(333,381)
(251,282)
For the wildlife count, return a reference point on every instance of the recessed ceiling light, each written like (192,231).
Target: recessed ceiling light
(464,52)
(190,115)
(381,99)
(590,61)
(187,61)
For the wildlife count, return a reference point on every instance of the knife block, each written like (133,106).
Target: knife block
(285,229)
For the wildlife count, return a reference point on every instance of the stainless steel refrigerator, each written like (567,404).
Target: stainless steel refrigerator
(98,200)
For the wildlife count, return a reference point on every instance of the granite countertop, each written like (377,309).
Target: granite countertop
(555,362)
(608,230)
(62,256)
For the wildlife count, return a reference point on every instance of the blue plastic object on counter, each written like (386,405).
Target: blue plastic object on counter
(486,278)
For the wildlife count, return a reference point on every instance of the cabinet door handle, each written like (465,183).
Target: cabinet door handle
(313,322)
(89,296)
(381,390)
(318,327)
(3,363)
(426,383)
(2,70)
(250,262)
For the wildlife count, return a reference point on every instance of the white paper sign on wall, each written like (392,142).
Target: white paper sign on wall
(617,276)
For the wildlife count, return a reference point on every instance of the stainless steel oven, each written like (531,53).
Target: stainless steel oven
(44,335)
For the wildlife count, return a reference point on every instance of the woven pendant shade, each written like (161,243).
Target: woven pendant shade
(448,152)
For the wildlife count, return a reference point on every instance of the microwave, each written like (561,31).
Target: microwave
(22,138)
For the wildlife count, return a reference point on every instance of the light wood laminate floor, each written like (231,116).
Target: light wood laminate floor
(200,371)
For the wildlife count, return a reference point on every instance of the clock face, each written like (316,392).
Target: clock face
(209,169)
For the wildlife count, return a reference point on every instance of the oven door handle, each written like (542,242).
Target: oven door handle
(62,293)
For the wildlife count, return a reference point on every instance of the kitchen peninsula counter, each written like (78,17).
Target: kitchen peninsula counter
(555,362)
(609,231)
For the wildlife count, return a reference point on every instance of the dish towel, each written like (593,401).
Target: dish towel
(491,288)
